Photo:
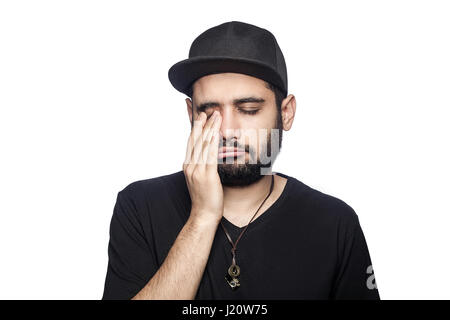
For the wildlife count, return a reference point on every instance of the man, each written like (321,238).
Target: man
(226,227)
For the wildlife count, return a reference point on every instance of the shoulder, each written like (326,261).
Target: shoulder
(142,189)
(320,206)
(153,194)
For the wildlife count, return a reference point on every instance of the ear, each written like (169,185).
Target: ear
(288,107)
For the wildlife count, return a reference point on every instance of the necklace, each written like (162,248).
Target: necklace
(234,271)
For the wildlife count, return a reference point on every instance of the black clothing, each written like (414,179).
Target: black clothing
(306,245)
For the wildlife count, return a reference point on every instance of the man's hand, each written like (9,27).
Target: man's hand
(200,169)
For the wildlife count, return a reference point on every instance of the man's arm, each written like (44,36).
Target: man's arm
(355,278)
(180,274)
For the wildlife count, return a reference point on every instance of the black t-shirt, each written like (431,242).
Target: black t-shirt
(306,245)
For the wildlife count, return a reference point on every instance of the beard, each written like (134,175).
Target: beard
(244,174)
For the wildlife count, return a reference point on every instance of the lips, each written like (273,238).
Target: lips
(226,152)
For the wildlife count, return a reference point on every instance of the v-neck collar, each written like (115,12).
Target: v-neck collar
(232,228)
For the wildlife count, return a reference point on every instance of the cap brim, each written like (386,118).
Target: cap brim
(184,73)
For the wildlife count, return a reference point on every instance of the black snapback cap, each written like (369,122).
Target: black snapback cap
(232,47)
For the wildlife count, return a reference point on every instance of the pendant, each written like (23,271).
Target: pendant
(233,272)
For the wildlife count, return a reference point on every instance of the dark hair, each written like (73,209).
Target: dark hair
(279,96)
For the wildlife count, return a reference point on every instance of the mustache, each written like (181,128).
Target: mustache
(234,144)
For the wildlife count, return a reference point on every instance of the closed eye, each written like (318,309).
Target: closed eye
(241,110)
(249,111)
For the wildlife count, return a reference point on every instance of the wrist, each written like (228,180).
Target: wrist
(203,221)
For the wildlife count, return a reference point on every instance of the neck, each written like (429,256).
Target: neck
(245,198)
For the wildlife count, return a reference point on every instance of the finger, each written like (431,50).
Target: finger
(187,158)
(195,133)
(208,133)
(208,139)
(213,151)
(210,121)
(202,142)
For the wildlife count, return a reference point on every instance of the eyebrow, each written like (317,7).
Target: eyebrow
(236,102)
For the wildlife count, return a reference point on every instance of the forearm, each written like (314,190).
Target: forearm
(180,274)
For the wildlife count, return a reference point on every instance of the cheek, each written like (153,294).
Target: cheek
(256,139)
(261,120)
(267,119)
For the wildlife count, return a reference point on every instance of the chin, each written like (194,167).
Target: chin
(233,175)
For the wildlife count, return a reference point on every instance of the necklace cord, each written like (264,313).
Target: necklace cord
(233,249)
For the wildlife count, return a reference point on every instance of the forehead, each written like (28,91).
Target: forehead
(228,86)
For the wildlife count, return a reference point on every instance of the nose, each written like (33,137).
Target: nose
(230,127)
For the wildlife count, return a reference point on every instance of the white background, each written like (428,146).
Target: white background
(86,105)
